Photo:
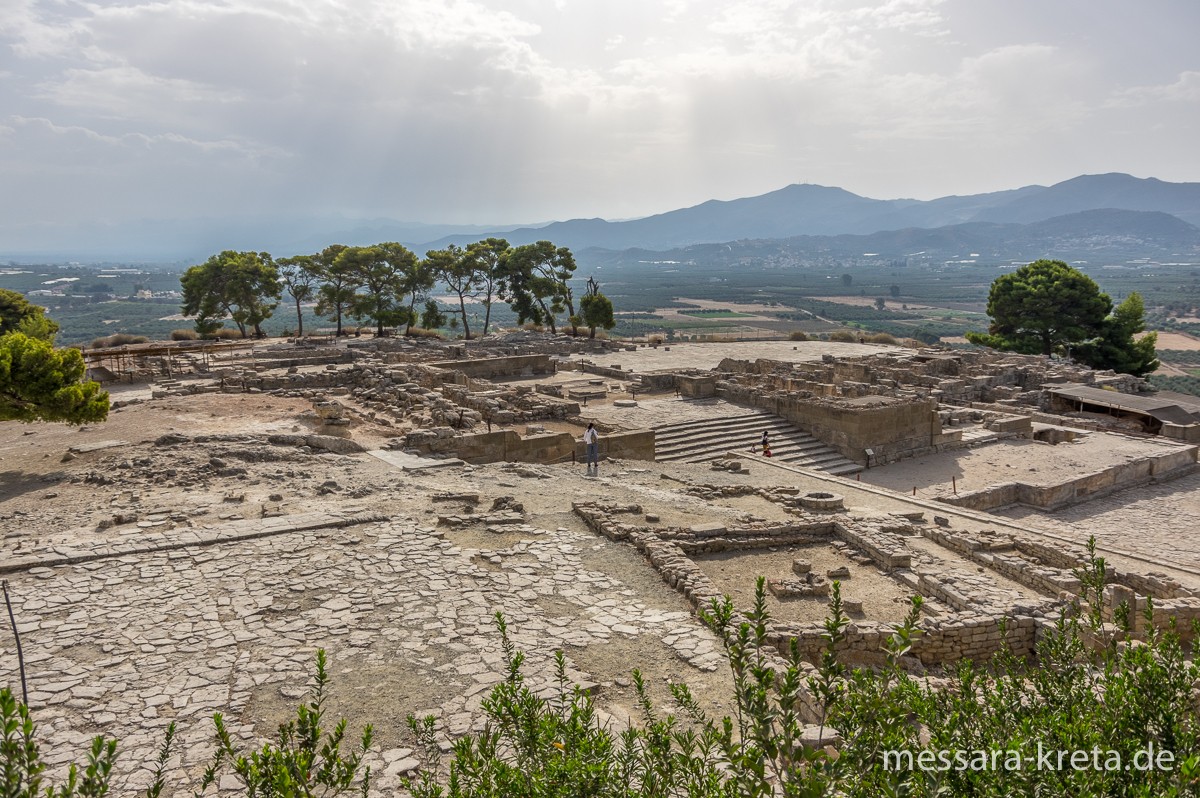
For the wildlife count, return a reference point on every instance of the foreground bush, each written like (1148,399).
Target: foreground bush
(184,335)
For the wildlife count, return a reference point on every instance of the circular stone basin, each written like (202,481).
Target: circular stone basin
(625,403)
(821,501)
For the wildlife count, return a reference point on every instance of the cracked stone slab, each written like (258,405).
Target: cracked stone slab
(411,462)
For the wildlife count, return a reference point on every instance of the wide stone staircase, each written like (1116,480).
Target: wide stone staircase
(702,440)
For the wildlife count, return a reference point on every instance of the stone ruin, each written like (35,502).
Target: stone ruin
(982,589)
(491,400)
(984,584)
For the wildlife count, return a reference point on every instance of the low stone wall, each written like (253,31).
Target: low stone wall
(615,371)
(1179,614)
(697,387)
(635,444)
(506,446)
(657,380)
(1010,424)
(1081,488)
(1048,570)
(885,548)
(1188,433)
(490,367)
(973,636)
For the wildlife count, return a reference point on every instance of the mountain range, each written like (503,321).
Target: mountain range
(1164,216)
(811,210)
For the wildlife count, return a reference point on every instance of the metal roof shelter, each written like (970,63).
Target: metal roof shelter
(1161,410)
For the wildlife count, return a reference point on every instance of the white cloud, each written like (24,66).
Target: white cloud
(1186,89)
(467,110)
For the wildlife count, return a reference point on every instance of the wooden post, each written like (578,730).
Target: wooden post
(17,636)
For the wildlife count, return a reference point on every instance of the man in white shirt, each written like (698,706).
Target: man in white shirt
(591,440)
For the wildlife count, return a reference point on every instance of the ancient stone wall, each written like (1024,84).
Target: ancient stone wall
(502,446)
(697,387)
(893,428)
(1080,488)
(492,367)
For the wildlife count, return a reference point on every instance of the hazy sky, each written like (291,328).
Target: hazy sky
(485,111)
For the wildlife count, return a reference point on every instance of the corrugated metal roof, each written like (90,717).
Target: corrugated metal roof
(1162,409)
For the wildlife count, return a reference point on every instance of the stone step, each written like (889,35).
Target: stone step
(733,441)
(705,440)
(978,435)
(741,426)
(779,452)
(717,423)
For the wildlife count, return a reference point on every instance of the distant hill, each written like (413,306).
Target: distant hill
(1106,233)
(1092,192)
(796,210)
(823,211)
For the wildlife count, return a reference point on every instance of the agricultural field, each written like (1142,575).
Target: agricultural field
(712,295)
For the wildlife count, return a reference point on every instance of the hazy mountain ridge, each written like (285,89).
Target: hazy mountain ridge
(1092,192)
(1104,233)
(812,210)
(787,213)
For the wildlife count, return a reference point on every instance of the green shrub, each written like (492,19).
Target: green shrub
(557,746)
(843,336)
(305,760)
(880,338)
(797,335)
(184,335)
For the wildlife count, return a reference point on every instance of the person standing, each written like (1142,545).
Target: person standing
(766,445)
(591,441)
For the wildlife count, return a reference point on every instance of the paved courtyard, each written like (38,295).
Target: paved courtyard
(126,645)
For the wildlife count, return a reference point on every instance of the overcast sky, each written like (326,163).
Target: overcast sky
(530,110)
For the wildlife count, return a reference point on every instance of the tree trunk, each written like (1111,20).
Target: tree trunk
(412,303)
(299,321)
(591,332)
(462,306)
(487,316)
(548,316)
(570,309)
